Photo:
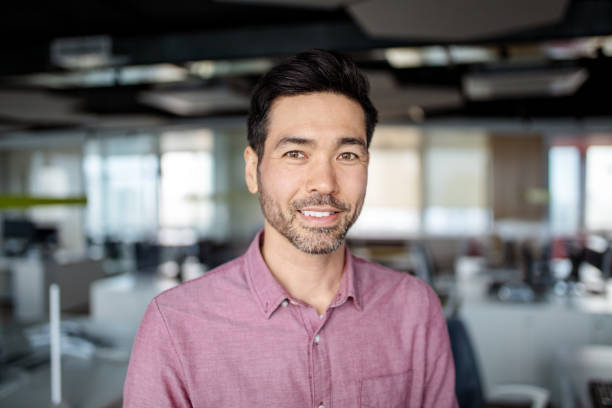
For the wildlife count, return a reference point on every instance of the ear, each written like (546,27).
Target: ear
(250,169)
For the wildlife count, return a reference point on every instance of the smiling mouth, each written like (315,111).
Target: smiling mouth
(317,214)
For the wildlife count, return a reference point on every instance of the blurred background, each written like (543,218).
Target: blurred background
(122,126)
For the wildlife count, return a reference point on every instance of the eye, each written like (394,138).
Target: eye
(295,154)
(347,156)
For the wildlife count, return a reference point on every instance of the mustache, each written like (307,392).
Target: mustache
(321,200)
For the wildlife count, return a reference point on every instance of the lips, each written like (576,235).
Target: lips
(317,214)
(319,217)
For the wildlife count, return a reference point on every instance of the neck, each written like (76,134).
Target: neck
(313,279)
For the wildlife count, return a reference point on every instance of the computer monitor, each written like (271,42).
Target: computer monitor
(45,236)
(17,228)
(17,236)
(597,261)
(147,256)
(597,252)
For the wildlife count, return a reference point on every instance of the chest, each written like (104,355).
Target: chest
(344,360)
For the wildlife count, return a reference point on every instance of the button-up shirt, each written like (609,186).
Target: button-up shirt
(235,338)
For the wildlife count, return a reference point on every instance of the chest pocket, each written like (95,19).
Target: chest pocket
(389,391)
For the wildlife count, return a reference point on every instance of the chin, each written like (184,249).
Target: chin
(317,241)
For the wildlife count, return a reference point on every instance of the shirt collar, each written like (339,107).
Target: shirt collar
(348,284)
(269,293)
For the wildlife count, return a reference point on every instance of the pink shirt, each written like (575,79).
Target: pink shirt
(235,338)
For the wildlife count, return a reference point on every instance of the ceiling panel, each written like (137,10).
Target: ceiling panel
(454,20)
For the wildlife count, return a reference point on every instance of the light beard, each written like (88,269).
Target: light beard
(311,240)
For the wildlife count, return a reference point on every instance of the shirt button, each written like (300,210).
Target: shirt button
(317,338)
(321,406)
(285,303)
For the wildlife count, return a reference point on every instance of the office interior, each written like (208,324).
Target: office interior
(122,129)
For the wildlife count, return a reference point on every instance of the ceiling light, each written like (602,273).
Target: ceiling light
(193,102)
(84,52)
(438,56)
(404,57)
(606,45)
(159,73)
(470,55)
(521,84)
(209,69)
(572,49)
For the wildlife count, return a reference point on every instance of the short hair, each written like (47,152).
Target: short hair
(308,72)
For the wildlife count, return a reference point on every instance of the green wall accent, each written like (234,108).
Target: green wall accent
(27,201)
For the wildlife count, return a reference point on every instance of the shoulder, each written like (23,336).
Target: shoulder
(371,274)
(376,281)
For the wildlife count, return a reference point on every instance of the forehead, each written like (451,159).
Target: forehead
(316,115)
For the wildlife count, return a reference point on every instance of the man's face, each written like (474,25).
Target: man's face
(312,177)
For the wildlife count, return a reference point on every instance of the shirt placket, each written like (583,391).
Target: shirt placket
(318,354)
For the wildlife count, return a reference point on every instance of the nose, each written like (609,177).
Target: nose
(322,178)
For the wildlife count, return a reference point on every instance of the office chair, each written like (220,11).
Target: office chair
(468,386)
(467,378)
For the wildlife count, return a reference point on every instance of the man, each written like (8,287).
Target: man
(297,321)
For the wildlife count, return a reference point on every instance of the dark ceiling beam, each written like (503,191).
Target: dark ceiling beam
(583,18)
(271,41)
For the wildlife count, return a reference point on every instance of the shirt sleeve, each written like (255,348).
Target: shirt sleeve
(155,375)
(440,371)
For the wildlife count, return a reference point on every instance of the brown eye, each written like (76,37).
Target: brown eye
(294,154)
(347,156)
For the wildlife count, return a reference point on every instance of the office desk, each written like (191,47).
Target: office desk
(94,382)
(579,365)
(517,342)
(87,383)
(32,276)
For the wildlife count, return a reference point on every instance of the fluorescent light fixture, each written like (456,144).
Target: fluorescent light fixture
(606,45)
(572,49)
(520,84)
(411,57)
(105,77)
(159,73)
(209,68)
(82,79)
(472,55)
(404,57)
(436,56)
(417,57)
(192,102)
(84,52)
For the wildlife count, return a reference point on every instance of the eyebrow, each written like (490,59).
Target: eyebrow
(352,141)
(294,140)
(308,142)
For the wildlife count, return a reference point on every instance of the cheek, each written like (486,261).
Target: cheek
(281,183)
(354,182)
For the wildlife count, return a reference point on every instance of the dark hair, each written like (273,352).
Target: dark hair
(310,71)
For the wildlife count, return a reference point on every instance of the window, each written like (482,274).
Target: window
(455,182)
(186,184)
(598,192)
(56,172)
(393,198)
(564,181)
(121,176)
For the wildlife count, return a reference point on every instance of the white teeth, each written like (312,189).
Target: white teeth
(316,213)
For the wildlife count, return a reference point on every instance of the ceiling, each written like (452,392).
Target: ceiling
(73,64)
